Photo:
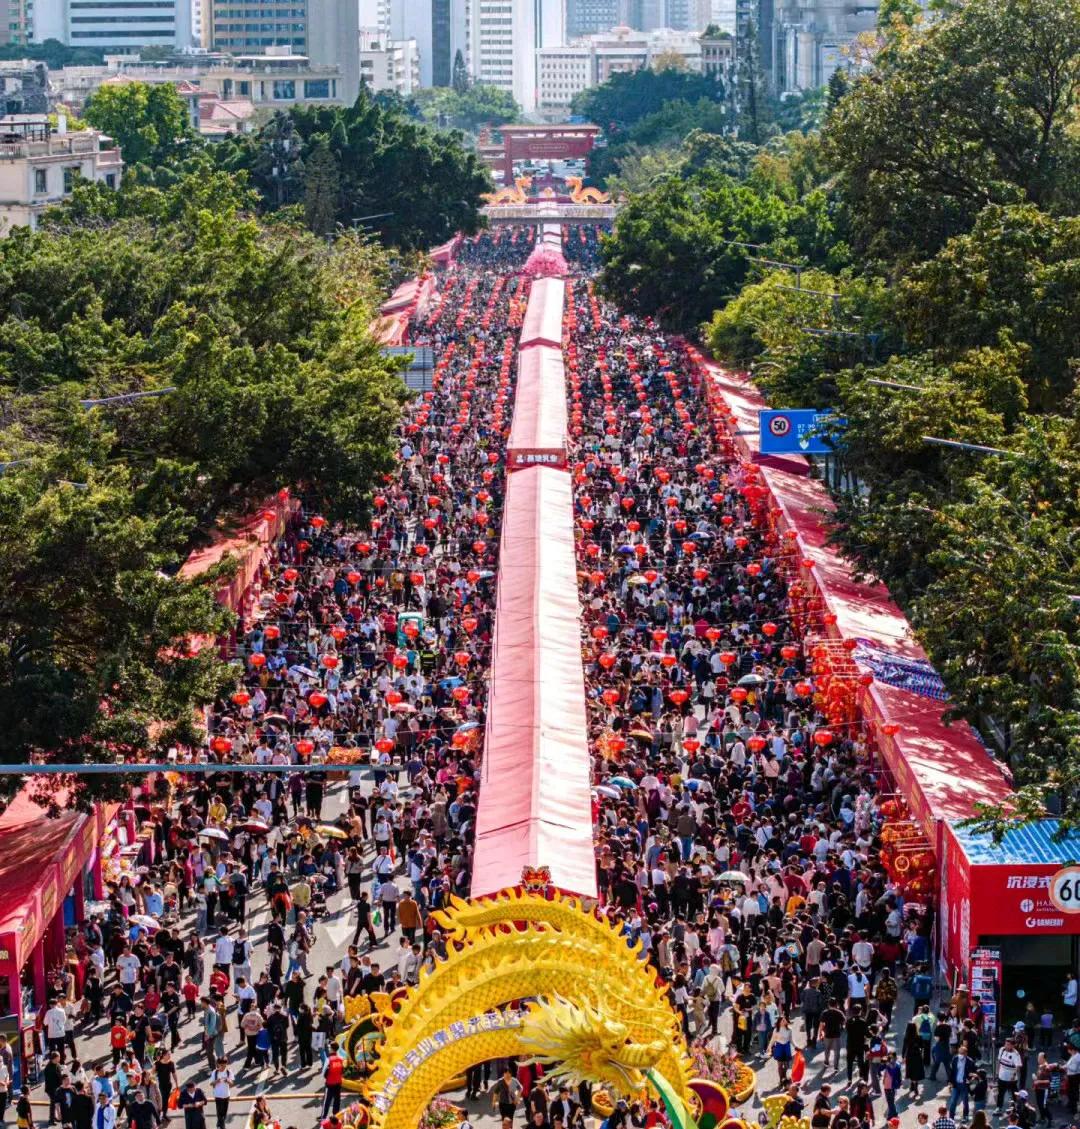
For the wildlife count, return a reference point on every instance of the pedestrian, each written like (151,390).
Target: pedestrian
(914,1059)
(1009,1063)
(505,1095)
(961,1070)
(333,1074)
(192,1102)
(221,1080)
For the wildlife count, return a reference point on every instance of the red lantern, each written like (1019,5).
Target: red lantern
(353,577)
(599,632)
(399,662)
(691,745)
(305,747)
(394,697)
(272,631)
(890,728)
(679,697)
(363,547)
(417,579)
(257,660)
(659,635)
(384,745)
(421,550)
(221,745)
(241,698)
(607,660)
(728,657)
(753,568)
(460,693)
(479,547)
(789,652)
(713,633)
(290,574)
(329,661)
(803,689)
(769,629)
(756,744)
(317,699)
(462,658)
(738,694)
(823,737)
(610,697)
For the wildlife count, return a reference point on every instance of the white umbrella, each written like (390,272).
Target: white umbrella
(213,833)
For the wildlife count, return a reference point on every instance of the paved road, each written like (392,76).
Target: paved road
(295,1096)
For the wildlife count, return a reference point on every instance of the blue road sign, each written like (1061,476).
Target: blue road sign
(799,431)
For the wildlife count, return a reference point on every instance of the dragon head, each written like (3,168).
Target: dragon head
(577,1042)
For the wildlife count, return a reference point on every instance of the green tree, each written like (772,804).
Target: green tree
(149,122)
(628,96)
(976,107)
(459,80)
(322,187)
(261,330)
(673,251)
(420,184)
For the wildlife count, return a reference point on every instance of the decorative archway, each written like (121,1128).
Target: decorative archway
(594,1008)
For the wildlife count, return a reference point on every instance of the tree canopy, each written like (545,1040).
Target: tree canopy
(260,332)
(366,165)
(149,121)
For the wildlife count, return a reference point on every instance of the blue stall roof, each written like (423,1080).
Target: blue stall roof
(1034,844)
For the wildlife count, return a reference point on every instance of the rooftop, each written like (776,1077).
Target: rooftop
(1034,844)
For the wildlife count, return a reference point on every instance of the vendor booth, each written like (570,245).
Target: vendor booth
(1007,914)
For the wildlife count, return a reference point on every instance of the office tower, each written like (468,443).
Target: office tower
(503,38)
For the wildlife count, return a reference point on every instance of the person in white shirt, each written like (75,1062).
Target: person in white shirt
(127,968)
(857,986)
(55,1025)
(221,1079)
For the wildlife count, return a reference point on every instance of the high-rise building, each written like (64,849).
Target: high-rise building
(442,42)
(503,37)
(590,17)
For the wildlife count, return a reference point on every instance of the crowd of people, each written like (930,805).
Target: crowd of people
(735,844)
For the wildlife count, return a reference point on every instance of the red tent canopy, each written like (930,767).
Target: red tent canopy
(535,802)
(538,431)
(543,318)
(942,769)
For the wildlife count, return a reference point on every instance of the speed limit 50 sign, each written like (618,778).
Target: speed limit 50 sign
(1065,889)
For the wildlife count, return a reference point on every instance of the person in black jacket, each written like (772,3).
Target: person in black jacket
(82,1108)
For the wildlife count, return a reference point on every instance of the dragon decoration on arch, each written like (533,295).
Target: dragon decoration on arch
(530,974)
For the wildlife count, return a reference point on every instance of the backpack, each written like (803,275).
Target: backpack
(926,1028)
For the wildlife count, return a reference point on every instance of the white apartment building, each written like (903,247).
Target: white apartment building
(39,166)
(273,80)
(392,65)
(565,71)
(503,38)
(114,25)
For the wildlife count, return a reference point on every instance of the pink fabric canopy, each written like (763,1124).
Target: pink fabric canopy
(543,318)
(535,804)
(538,431)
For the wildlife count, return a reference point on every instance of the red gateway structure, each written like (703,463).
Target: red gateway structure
(538,143)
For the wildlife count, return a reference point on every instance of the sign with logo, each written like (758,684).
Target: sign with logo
(1065,889)
(799,431)
(522,457)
